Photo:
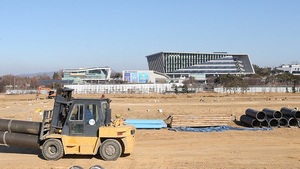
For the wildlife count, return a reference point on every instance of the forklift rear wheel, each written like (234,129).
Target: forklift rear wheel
(110,150)
(52,149)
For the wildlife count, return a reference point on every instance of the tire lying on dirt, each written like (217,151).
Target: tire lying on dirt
(52,149)
(110,150)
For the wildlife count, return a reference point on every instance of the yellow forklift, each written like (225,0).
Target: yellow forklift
(74,126)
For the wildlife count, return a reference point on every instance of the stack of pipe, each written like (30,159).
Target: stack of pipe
(273,118)
(19,133)
(254,118)
(286,117)
(292,116)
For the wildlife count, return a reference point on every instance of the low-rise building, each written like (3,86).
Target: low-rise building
(144,76)
(94,75)
(291,68)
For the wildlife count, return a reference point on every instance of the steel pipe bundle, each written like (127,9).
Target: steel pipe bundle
(290,112)
(19,133)
(272,113)
(258,115)
(250,121)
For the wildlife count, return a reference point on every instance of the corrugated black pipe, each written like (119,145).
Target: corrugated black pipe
(258,115)
(19,140)
(252,122)
(18,126)
(290,112)
(272,113)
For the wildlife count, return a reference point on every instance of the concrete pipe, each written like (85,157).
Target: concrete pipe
(290,112)
(272,113)
(252,122)
(18,139)
(18,126)
(258,115)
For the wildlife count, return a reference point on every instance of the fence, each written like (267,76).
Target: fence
(257,90)
(156,88)
(20,91)
(121,88)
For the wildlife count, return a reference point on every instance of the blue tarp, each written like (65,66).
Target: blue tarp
(217,129)
(146,124)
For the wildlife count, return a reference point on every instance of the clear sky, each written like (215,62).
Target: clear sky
(42,36)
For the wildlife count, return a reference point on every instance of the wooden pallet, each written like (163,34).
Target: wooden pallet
(199,121)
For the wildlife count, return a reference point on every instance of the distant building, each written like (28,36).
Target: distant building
(94,75)
(293,69)
(144,76)
(199,65)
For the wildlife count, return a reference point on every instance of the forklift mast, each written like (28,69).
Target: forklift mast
(60,108)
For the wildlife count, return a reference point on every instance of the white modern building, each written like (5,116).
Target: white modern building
(291,68)
(94,75)
(199,65)
(144,76)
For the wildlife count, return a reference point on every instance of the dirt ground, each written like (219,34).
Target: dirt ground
(160,149)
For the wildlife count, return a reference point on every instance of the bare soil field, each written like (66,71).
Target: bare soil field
(274,149)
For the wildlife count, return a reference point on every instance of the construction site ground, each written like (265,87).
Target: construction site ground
(159,149)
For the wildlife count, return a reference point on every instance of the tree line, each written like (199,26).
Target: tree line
(26,82)
(262,77)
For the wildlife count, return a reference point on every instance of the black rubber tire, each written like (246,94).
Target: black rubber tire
(52,149)
(110,150)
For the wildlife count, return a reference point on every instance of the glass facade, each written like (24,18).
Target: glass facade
(200,63)
(175,61)
(87,75)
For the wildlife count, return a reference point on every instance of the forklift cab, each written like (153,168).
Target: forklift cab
(86,116)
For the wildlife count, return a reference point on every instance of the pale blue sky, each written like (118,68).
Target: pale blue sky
(43,36)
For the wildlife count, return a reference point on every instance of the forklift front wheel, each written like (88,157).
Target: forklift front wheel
(110,150)
(52,149)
